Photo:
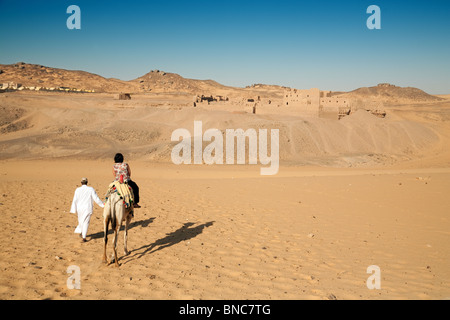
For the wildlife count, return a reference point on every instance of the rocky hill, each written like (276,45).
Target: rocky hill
(157,81)
(388,93)
(160,81)
(33,75)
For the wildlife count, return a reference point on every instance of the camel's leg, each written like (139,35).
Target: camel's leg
(116,233)
(105,238)
(125,237)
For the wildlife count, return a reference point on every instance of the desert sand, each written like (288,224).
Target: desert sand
(349,194)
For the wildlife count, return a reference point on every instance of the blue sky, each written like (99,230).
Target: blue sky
(323,44)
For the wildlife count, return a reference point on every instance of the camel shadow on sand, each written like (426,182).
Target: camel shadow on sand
(186,232)
(141,223)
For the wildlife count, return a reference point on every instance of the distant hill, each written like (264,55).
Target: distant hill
(156,81)
(160,81)
(33,75)
(389,93)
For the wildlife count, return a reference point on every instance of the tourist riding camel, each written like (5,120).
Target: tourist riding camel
(122,173)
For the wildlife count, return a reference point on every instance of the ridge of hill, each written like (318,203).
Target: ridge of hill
(156,81)
(34,75)
(385,92)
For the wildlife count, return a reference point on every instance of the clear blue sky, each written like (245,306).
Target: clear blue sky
(323,44)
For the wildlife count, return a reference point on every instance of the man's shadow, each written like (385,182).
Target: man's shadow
(182,234)
(142,223)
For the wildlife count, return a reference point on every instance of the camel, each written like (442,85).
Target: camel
(115,212)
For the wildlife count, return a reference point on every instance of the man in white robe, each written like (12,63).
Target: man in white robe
(83,205)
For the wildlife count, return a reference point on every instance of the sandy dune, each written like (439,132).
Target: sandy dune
(228,233)
(349,194)
(96,126)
